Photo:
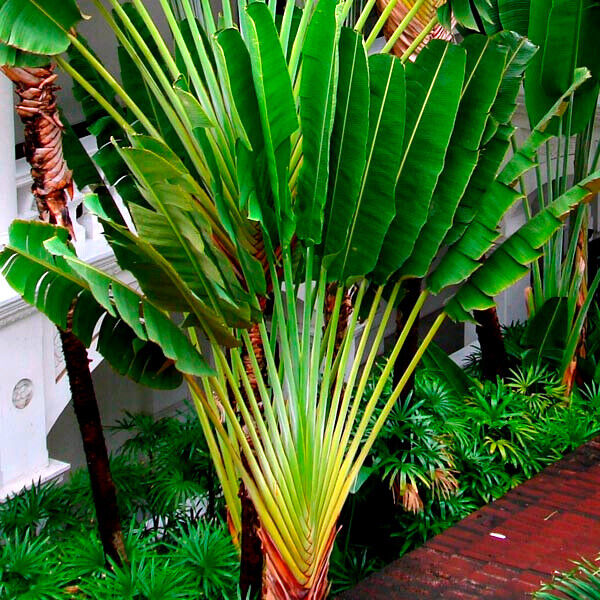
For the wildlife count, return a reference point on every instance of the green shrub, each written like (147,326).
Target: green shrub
(208,557)
(582,583)
(442,456)
(176,545)
(29,569)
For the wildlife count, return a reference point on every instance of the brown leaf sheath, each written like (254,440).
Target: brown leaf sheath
(52,180)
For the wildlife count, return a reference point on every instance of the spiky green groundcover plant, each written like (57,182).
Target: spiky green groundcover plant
(269,157)
(583,582)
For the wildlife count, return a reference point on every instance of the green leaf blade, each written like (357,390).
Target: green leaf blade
(485,66)
(348,144)
(375,208)
(38,26)
(434,85)
(317,105)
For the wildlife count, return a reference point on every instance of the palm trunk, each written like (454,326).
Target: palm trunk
(52,189)
(494,360)
(279,583)
(414,28)
(94,445)
(344,316)
(571,375)
(52,182)
(251,559)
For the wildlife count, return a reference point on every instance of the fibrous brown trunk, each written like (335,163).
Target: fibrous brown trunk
(279,583)
(412,288)
(344,316)
(571,374)
(52,189)
(494,360)
(52,182)
(415,27)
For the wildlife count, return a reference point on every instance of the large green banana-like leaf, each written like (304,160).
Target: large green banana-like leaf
(348,144)
(276,105)
(374,208)
(201,50)
(571,41)
(560,48)
(317,107)
(182,237)
(38,26)
(475,15)
(437,361)
(525,158)
(256,196)
(463,12)
(498,131)
(103,125)
(14,57)
(520,53)
(234,55)
(86,173)
(140,314)
(514,15)
(486,60)
(152,270)
(434,83)
(137,88)
(134,336)
(462,258)
(510,261)
(566,32)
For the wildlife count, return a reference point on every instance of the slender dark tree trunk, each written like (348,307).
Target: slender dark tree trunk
(412,288)
(252,561)
(94,446)
(494,360)
(52,189)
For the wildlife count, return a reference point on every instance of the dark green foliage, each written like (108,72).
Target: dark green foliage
(442,455)
(209,558)
(540,344)
(350,566)
(150,578)
(42,508)
(589,366)
(29,569)
(582,583)
(177,544)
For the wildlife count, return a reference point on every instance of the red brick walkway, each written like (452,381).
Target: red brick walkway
(507,548)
